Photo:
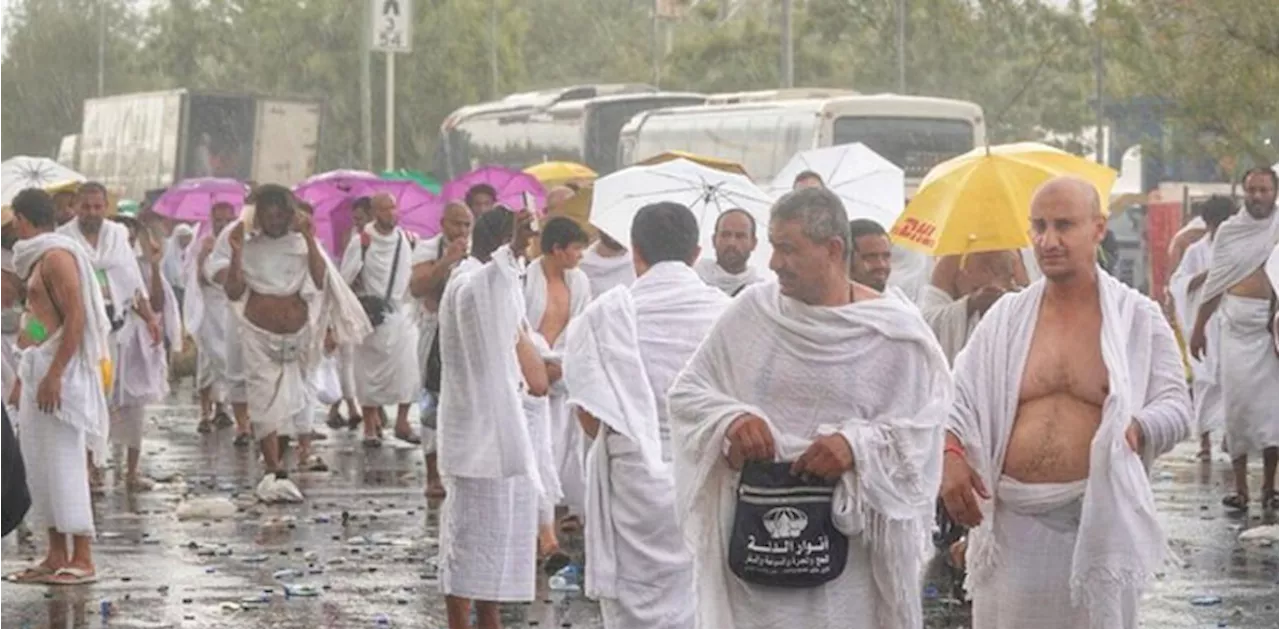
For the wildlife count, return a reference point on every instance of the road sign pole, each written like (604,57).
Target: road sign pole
(391,111)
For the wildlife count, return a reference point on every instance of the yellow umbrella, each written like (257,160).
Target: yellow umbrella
(709,162)
(579,207)
(559,173)
(981,201)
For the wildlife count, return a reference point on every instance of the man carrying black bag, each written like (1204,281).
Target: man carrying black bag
(433,262)
(807,432)
(16,500)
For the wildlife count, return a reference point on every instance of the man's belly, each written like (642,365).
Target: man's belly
(1050,439)
(1256,286)
(276,314)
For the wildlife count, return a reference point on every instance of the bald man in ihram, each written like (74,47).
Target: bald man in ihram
(1065,394)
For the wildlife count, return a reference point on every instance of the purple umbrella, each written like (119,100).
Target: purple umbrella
(419,209)
(509,185)
(192,199)
(322,189)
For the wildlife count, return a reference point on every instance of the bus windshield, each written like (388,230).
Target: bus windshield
(605,120)
(915,144)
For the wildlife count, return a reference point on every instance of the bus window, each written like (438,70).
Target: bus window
(914,144)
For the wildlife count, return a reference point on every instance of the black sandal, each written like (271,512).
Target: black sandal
(222,420)
(243,440)
(204,427)
(1271,501)
(1236,502)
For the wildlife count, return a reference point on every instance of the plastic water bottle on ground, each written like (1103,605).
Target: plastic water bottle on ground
(568,579)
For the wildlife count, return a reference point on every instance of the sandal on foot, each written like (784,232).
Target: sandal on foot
(335,421)
(71,576)
(1236,502)
(554,562)
(243,440)
(319,436)
(222,420)
(372,442)
(314,464)
(1271,501)
(141,483)
(1204,456)
(409,438)
(35,574)
(204,427)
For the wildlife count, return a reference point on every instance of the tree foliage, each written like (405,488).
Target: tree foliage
(1212,65)
(1028,64)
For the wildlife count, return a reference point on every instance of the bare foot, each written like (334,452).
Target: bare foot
(547,543)
(435,491)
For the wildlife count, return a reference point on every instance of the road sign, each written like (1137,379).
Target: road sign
(392,25)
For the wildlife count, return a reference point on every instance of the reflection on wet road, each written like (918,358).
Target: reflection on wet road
(360,552)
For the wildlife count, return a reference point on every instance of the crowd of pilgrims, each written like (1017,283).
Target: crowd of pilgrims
(740,447)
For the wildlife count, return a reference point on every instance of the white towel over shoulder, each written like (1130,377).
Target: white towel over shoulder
(1120,542)
(870,371)
(482,427)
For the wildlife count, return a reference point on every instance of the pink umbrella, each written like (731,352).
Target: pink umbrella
(419,209)
(192,199)
(323,188)
(510,185)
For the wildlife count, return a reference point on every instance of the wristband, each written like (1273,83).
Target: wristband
(957,450)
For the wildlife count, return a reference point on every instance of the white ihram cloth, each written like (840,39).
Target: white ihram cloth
(1240,247)
(538,411)
(1247,372)
(276,368)
(54,443)
(731,283)
(1249,375)
(621,357)
(567,439)
(387,368)
(206,310)
(489,519)
(606,272)
(114,256)
(870,372)
(1273,274)
(1014,572)
(1206,390)
(142,367)
(949,318)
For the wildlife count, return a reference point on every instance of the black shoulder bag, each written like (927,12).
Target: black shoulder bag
(16,499)
(375,307)
(783,535)
(431,374)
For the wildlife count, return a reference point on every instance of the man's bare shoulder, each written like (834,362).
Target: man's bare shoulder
(864,293)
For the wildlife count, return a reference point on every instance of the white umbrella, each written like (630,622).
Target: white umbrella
(21,172)
(870,185)
(618,197)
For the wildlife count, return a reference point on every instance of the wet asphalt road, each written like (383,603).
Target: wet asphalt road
(377,570)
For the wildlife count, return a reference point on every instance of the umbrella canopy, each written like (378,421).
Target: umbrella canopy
(323,188)
(22,172)
(510,186)
(981,201)
(579,206)
(869,185)
(426,181)
(418,209)
(553,174)
(192,199)
(708,192)
(704,160)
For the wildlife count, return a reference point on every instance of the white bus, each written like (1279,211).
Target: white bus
(577,124)
(914,132)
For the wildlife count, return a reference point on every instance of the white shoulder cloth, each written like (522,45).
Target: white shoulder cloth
(870,371)
(482,427)
(1120,543)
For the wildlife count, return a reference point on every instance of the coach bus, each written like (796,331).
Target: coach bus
(914,132)
(578,124)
